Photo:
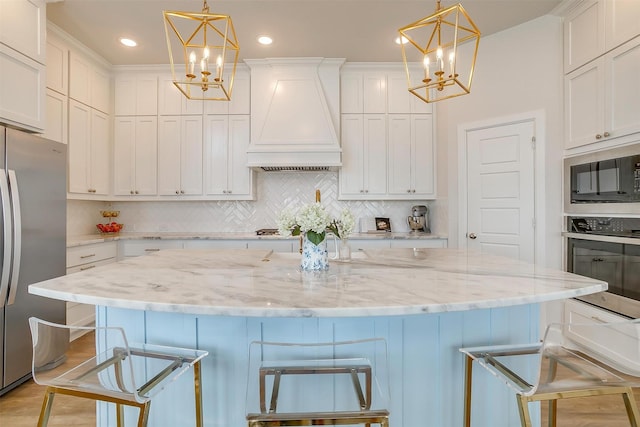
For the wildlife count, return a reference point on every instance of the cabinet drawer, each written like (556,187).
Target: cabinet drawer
(80,255)
(215,244)
(278,245)
(89,265)
(144,247)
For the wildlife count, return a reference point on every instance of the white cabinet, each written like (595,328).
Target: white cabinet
(226,143)
(286,246)
(240,97)
(130,248)
(419,243)
(136,95)
(57,64)
(82,258)
(402,101)
(411,156)
(22,90)
(180,155)
(363,175)
(135,155)
(594,27)
(56,123)
(363,92)
(171,102)
(88,152)
(23,27)
(599,97)
(88,82)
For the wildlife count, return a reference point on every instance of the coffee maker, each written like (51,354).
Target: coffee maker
(419,219)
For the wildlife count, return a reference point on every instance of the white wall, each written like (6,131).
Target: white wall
(518,70)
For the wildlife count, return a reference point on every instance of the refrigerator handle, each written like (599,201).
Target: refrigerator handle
(17,236)
(8,238)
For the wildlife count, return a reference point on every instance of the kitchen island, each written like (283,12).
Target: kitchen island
(426,303)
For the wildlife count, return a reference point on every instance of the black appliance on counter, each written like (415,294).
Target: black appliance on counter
(606,249)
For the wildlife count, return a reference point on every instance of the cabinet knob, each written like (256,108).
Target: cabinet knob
(598,136)
(131,192)
(136,191)
(177,192)
(366,191)
(473,236)
(228,191)
(607,134)
(181,191)
(413,191)
(408,191)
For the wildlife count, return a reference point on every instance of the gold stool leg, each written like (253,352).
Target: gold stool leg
(632,408)
(197,380)
(553,412)
(523,408)
(468,366)
(143,417)
(119,415)
(45,412)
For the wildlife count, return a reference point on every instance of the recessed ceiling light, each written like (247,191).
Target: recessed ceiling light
(404,40)
(265,40)
(128,42)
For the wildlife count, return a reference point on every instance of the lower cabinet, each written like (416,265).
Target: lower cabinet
(82,258)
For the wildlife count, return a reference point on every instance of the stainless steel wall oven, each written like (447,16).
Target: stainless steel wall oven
(610,253)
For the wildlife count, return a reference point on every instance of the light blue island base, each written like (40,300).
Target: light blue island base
(426,369)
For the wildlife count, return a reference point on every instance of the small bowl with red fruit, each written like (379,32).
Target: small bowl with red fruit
(110,228)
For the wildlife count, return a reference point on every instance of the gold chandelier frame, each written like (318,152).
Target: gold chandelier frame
(210,35)
(425,39)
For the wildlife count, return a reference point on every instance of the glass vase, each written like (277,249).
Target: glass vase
(344,250)
(314,257)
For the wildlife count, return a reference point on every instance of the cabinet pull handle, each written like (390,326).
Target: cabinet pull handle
(152,249)
(597,319)
(87,256)
(88,267)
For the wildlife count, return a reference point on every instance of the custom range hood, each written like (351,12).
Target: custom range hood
(295,114)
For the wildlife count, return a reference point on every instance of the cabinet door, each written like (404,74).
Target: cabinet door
(351,96)
(375,165)
(241,96)
(57,64)
(22,90)
(78,149)
(400,99)
(136,95)
(622,90)
(584,104)
(423,153)
(100,153)
(169,135)
(217,154)
(56,123)
(622,21)
(172,102)
(375,92)
(240,175)
(100,89)
(351,173)
(124,139)
(146,155)
(583,34)
(79,78)
(191,156)
(23,27)
(401,155)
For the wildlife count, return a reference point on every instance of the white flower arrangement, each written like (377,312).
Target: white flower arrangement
(314,221)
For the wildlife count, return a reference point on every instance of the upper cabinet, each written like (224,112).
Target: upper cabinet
(57,64)
(594,27)
(89,82)
(387,137)
(22,64)
(602,64)
(240,97)
(136,95)
(171,102)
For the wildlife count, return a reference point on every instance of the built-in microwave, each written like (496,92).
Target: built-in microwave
(610,178)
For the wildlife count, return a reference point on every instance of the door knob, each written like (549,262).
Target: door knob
(473,236)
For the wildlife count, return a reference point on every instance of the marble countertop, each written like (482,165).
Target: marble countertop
(266,284)
(89,239)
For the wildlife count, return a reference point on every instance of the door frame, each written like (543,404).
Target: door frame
(539,125)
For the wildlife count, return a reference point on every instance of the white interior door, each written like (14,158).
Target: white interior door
(501,190)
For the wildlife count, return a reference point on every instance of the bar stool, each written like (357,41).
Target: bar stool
(127,375)
(335,383)
(573,360)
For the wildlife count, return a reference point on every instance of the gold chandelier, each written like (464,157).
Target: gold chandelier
(203,52)
(433,43)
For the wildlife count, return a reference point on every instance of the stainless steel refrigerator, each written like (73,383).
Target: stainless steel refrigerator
(32,243)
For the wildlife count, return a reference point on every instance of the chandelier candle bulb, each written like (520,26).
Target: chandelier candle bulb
(439,58)
(218,68)
(452,62)
(426,69)
(192,65)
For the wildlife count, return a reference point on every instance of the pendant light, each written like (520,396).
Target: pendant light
(433,44)
(203,52)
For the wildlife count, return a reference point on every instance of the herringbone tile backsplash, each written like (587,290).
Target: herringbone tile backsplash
(275,191)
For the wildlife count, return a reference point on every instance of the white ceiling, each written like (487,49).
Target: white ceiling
(358,30)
